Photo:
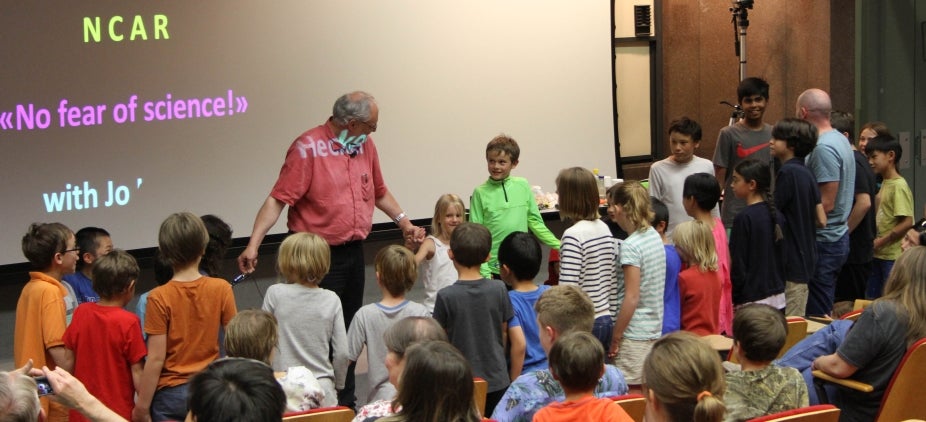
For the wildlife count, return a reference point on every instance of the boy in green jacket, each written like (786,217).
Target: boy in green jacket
(505,204)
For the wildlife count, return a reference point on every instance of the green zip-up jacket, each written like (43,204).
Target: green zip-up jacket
(504,207)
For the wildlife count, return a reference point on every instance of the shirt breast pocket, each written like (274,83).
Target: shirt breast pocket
(366,187)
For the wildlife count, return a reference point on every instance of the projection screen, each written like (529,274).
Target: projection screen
(118,113)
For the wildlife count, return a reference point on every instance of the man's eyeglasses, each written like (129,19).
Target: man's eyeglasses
(70,250)
(372,126)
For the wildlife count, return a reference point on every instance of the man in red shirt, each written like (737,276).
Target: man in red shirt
(331,180)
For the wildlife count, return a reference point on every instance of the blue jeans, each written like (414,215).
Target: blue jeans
(822,287)
(880,269)
(823,342)
(169,404)
(603,329)
(853,278)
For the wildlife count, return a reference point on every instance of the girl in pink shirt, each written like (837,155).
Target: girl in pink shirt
(699,196)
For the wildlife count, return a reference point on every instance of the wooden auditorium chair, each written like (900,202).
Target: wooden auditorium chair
(633,404)
(322,414)
(480,389)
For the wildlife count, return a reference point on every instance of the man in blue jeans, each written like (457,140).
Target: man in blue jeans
(833,165)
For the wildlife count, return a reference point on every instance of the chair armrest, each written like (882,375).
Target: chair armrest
(820,319)
(718,342)
(848,383)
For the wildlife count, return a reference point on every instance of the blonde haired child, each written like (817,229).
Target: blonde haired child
(700,195)
(435,269)
(588,252)
(638,307)
(684,381)
(395,275)
(310,318)
(699,283)
(254,334)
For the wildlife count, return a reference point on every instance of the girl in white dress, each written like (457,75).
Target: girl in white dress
(435,269)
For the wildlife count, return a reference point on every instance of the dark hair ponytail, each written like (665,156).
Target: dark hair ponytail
(774,213)
(758,171)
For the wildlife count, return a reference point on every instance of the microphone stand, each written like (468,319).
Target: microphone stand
(740,12)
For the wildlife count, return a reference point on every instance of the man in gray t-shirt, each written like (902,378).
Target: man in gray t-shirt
(747,139)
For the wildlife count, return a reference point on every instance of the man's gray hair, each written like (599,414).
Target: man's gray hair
(355,105)
(19,401)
